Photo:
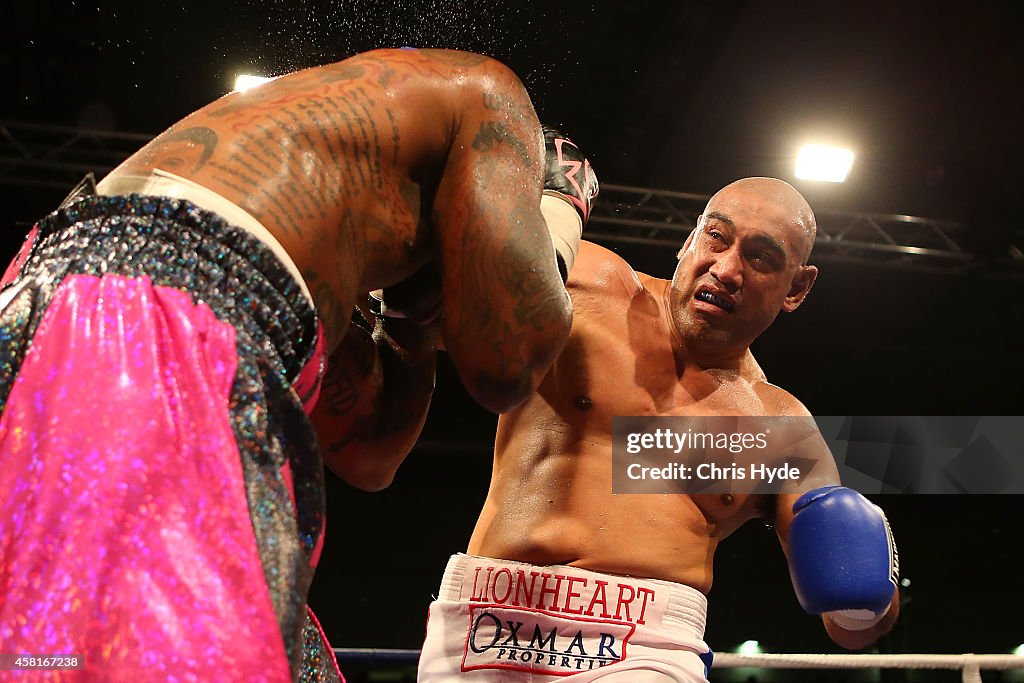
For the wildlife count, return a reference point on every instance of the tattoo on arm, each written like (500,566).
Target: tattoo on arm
(339,394)
(375,391)
(335,319)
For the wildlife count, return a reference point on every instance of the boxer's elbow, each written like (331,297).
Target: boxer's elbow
(369,477)
(506,383)
(371,482)
(500,392)
(363,471)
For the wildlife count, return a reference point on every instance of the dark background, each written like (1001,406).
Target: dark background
(679,95)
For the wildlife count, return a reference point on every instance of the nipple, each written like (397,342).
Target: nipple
(583,402)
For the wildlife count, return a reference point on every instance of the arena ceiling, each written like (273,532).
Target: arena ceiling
(671,94)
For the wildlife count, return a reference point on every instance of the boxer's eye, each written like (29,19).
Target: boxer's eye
(717,239)
(765,259)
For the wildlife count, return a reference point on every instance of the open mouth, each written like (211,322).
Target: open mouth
(715,300)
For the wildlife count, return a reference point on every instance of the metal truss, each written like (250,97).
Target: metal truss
(34,155)
(664,218)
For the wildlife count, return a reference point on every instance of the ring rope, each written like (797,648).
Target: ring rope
(816,661)
(970,664)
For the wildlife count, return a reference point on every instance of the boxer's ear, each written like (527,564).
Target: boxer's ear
(800,287)
(690,238)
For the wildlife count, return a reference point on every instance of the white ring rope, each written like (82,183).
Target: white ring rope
(813,661)
(970,664)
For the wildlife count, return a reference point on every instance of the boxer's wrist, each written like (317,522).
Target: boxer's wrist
(566,228)
(375,302)
(570,187)
(408,341)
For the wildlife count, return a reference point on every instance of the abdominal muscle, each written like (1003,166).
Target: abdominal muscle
(555,506)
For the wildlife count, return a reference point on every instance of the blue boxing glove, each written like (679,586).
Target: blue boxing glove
(842,558)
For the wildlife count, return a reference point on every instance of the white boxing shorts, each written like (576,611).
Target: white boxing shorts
(496,621)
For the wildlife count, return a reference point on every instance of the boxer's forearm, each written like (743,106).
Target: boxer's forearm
(374,402)
(408,360)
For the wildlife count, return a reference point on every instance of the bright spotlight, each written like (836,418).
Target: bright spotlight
(749,647)
(1019,650)
(822,162)
(246,81)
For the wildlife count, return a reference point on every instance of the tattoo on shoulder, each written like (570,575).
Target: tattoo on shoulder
(511,108)
(493,134)
(342,71)
(385,76)
(396,137)
(187,149)
(455,57)
(500,103)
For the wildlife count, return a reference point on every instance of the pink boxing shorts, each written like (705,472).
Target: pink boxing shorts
(164,495)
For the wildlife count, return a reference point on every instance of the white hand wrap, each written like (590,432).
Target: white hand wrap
(565,225)
(855,619)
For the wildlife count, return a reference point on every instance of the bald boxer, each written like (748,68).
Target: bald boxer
(165,333)
(565,578)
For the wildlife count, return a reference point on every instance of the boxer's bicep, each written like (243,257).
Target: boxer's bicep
(811,455)
(795,441)
(799,444)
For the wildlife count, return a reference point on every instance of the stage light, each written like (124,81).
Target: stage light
(1019,650)
(749,647)
(246,81)
(823,162)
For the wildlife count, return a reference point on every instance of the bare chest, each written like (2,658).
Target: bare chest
(609,377)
